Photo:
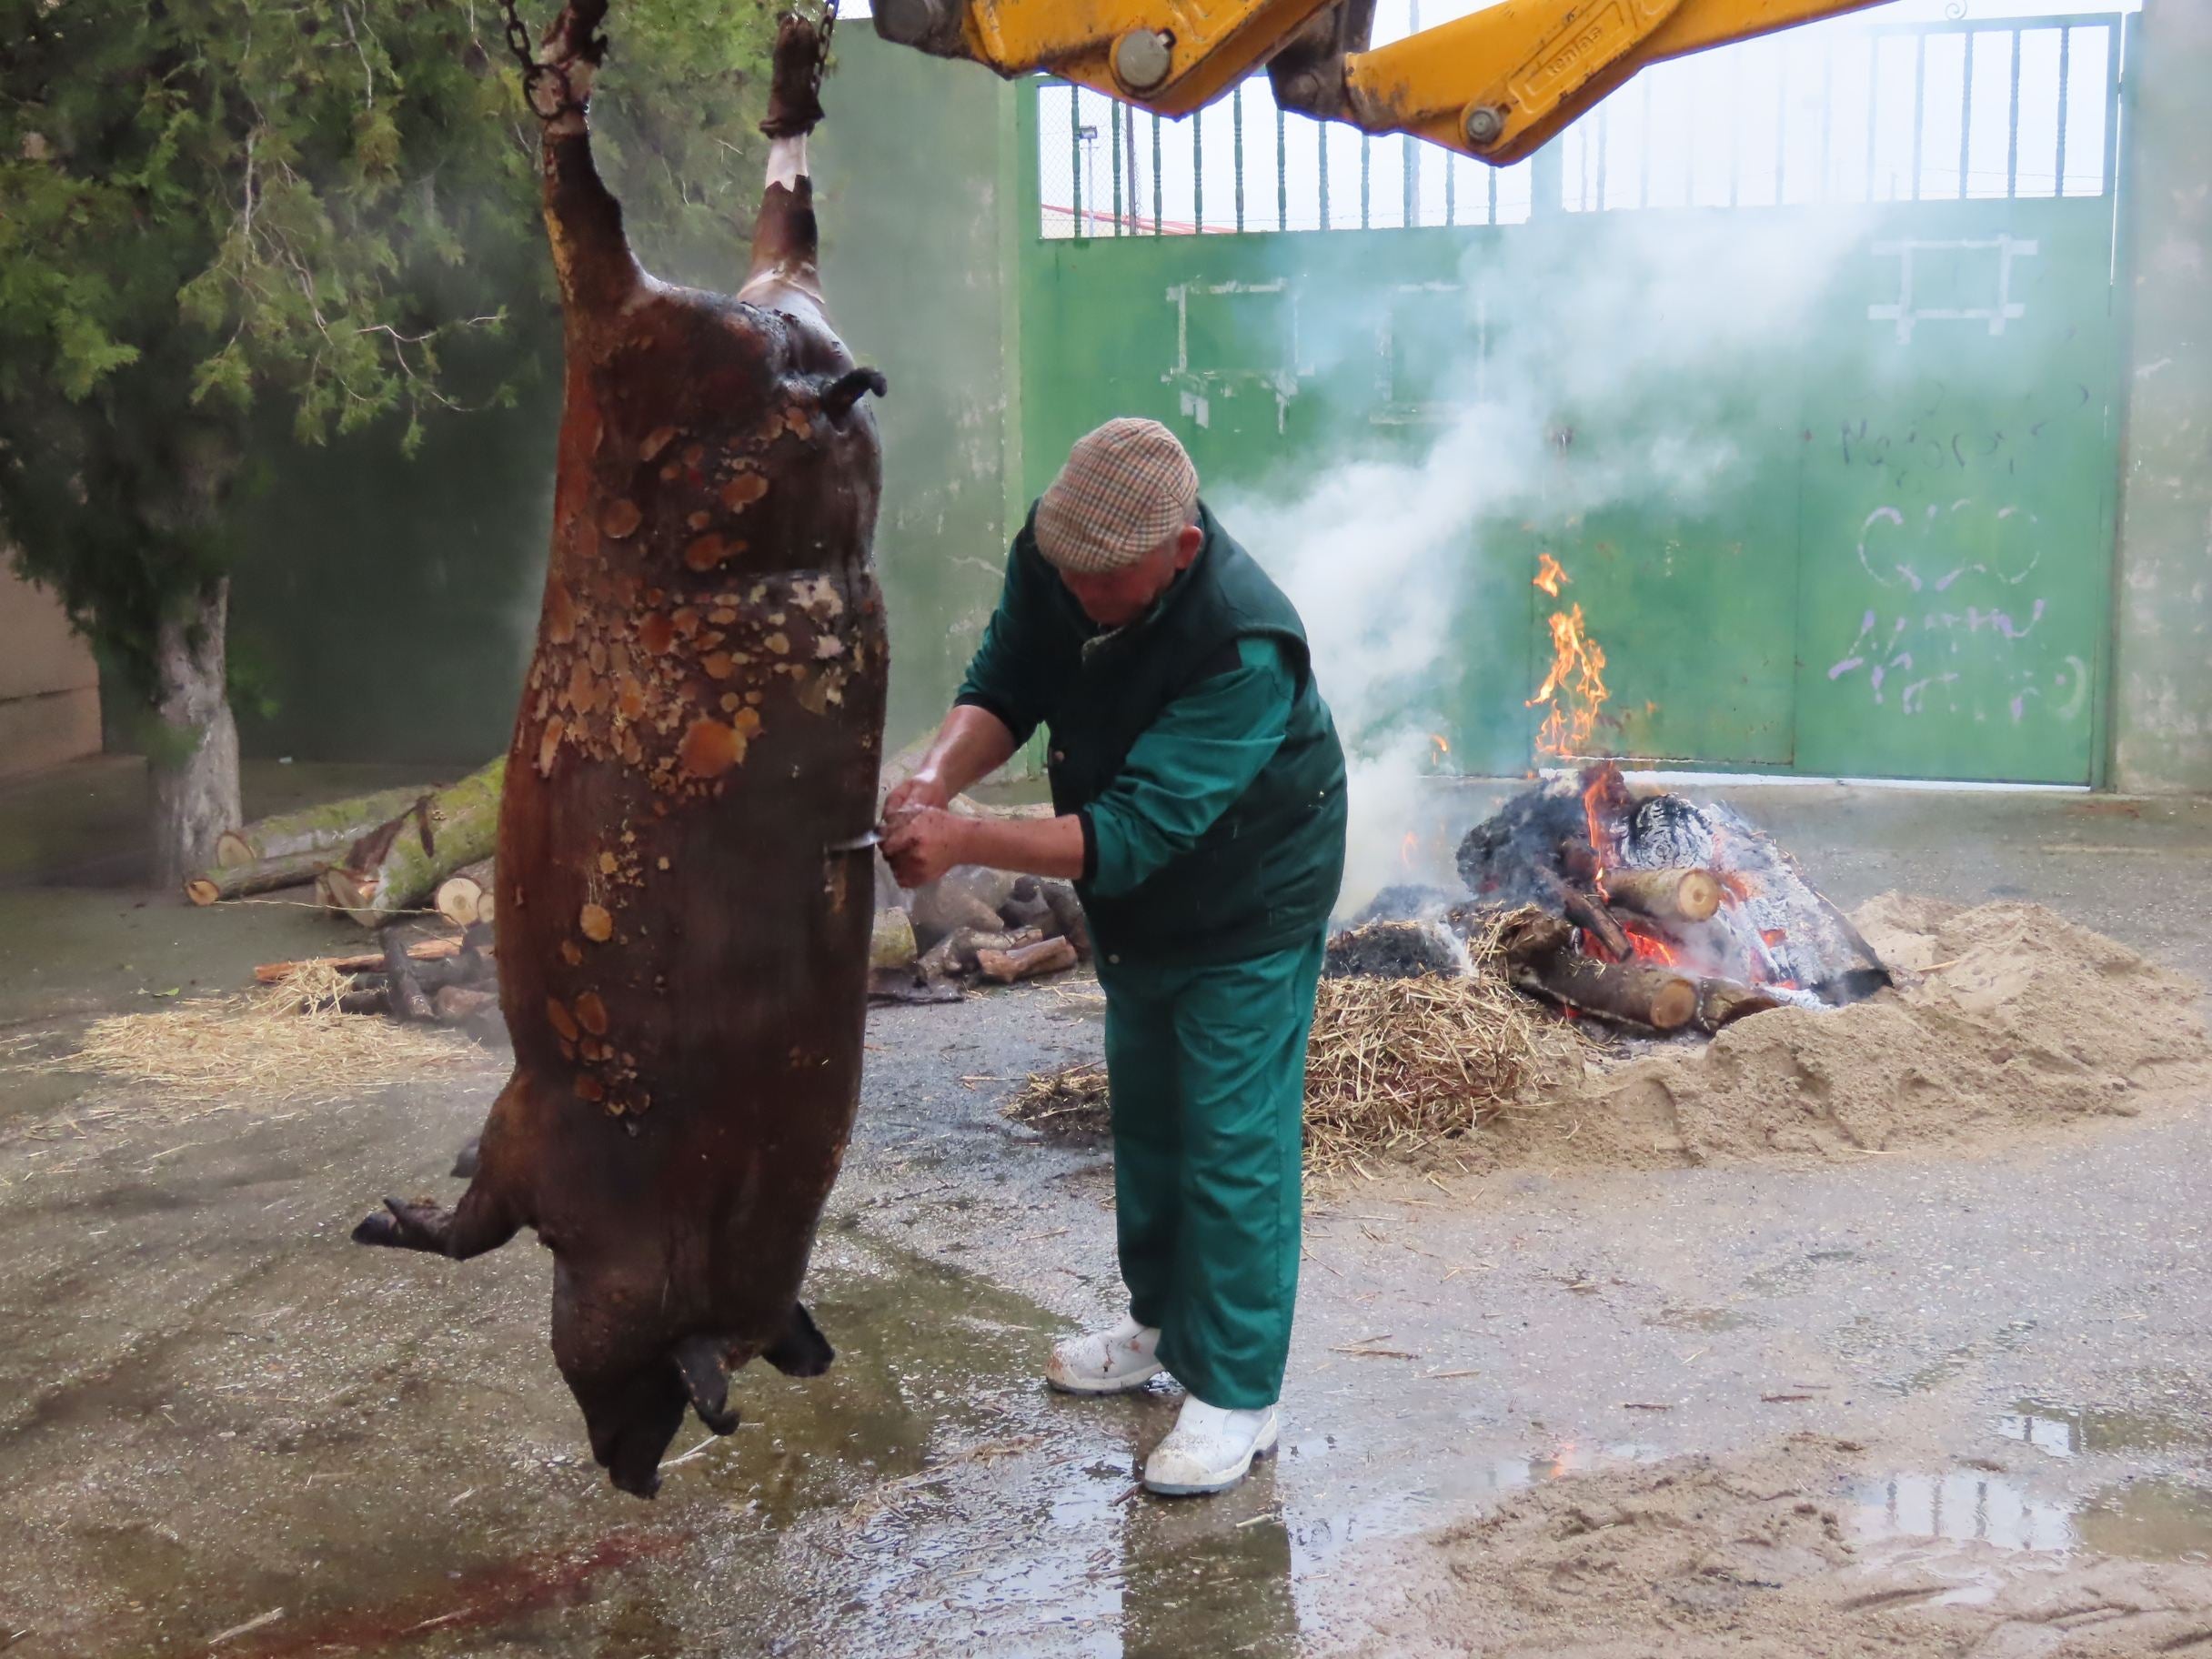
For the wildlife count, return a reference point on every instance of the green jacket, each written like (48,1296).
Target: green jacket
(1192,744)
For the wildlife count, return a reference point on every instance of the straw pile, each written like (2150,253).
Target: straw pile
(283,1044)
(1395,1069)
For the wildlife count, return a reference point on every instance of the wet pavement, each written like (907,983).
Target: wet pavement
(218,1420)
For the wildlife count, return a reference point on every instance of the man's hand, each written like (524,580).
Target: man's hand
(924,843)
(922,792)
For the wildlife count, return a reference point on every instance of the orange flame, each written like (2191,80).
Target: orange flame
(1439,751)
(1574,690)
(1549,575)
(1407,849)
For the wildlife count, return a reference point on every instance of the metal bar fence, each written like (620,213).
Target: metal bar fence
(1637,153)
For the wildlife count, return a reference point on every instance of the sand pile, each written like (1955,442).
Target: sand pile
(1759,1557)
(2007,1018)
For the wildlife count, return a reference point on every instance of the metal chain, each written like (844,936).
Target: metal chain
(821,47)
(518,38)
(533,72)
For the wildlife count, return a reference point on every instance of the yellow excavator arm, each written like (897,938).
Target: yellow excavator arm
(1494,84)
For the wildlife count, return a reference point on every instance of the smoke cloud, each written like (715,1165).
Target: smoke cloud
(1603,360)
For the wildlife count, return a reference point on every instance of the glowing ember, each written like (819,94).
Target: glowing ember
(1574,690)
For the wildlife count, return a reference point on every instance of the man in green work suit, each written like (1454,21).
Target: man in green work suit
(1200,788)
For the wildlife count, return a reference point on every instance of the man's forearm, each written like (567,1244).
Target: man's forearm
(1030,846)
(972,743)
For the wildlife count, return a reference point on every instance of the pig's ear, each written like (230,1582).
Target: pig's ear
(802,1351)
(701,1361)
(846,389)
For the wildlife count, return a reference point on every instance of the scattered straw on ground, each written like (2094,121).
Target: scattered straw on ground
(279,1045)
(1394,1068)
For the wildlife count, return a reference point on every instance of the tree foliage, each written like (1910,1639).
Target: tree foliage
(211,209)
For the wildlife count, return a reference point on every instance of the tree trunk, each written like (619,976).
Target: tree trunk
(194,759)
(330,828)
(397,867)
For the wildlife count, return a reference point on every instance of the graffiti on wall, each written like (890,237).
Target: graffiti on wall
(1967,584)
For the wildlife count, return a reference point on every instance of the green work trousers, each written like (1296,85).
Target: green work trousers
(1207,1071)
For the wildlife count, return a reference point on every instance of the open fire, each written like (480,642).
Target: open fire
(1645,907)
(1574,689)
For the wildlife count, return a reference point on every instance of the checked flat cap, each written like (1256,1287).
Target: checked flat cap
(1126,488)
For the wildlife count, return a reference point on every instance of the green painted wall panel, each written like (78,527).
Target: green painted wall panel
(1708,498)
(1957,501)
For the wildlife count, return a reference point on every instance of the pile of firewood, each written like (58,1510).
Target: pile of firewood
(975,926)
(376,859)
(450,979)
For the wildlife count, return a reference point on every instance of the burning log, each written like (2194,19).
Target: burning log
(1540,957)
(1587,910)
(399,864)
(1712,896)
(1666,895)
(710,673)
(328,828)
(267,876)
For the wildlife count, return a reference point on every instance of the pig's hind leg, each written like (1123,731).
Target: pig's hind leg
(484,1219)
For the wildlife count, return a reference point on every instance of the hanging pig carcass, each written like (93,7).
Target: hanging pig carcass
(683,961)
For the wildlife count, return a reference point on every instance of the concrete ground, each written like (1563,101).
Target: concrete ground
(220,1421)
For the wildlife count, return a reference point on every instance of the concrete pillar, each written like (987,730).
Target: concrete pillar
(2162,704)
(49,686)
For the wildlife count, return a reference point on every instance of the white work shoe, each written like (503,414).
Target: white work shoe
(1105,1362)
(1209,1448)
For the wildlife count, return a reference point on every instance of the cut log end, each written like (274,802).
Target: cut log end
(232,851)
(1668,895)
(460,900)
(200,889)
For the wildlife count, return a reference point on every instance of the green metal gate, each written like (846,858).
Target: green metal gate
(1815,403)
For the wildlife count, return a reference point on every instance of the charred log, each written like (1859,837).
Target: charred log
(1626,993)
(710,673)
(1721,1002)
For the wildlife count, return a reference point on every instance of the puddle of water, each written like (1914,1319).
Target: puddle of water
(1963,1506)
(2075,1431)
(2153,1520)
